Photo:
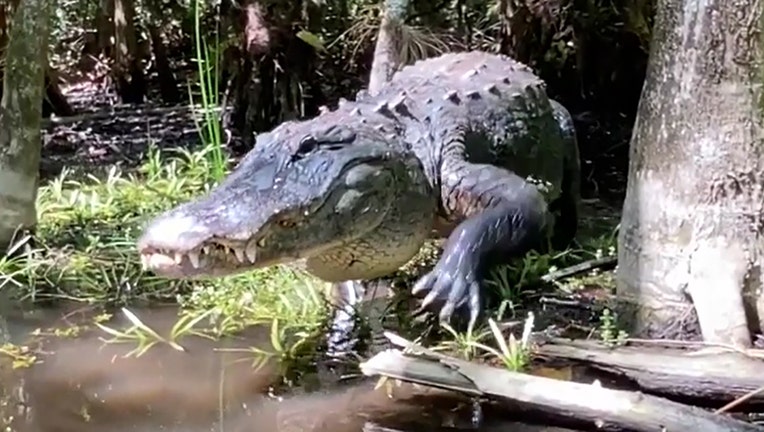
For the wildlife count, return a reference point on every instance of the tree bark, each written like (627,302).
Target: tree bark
(128,73)
(387,51)
(20,116)
(104,27)
(168,85)
(690,242)
(5,10)
(270,76)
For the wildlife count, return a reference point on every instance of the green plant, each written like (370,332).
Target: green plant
(513,354)
(463,344)
(21,356)
(288,342)
(146,337)
(609,332)
(208,62)
(85,252)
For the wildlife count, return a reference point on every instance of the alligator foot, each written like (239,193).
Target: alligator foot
(452,282)
(501,215)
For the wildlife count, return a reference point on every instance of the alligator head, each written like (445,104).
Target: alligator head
(305,189)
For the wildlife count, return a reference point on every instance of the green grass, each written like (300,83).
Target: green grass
(85,252)
(84,246)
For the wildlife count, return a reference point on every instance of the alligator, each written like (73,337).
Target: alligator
(466,147)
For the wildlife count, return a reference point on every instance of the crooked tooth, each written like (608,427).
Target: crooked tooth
(206,250)
(239,252)
(251,252)
(178,257)
(194,258)
(261,242)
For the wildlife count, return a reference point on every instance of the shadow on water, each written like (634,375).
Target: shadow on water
(82,384)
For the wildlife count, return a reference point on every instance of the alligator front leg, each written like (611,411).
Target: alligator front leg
(353,299)
(499,214)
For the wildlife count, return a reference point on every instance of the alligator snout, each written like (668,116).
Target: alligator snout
(180,233)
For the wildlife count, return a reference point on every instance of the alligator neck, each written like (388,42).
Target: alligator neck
(394,242)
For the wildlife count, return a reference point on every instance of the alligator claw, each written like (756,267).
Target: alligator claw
(453,285)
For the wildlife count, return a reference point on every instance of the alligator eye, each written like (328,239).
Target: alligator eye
(307,145)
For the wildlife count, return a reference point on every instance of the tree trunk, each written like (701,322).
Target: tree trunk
(104,27)
(168,85)
(128,73)
(690,242)
(5,9)
(270,76)
(518,30)
(388,48)
(54,102)
(20,115)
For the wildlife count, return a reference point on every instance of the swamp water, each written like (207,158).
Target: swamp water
(80,383)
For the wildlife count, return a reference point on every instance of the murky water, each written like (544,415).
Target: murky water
(82,384)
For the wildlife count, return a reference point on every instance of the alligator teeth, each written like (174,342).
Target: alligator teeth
(239,254)
(194,258)
(178,258)
(206,250)
(145,258)
(261,242)
(251,251)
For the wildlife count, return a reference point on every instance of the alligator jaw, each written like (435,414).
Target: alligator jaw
(209,260)
(182,247)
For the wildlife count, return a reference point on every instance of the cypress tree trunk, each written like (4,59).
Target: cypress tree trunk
(20,116)
(387,50)
(690,245)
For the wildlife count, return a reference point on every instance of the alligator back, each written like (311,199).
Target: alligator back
(508,119)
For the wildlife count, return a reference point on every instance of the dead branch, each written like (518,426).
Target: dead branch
(569,401)
(715,376)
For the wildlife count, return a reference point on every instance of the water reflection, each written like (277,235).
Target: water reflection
(84,385)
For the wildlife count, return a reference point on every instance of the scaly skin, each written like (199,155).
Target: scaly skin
(466,145)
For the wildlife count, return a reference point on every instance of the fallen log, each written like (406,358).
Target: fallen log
(572,402)
(714,377)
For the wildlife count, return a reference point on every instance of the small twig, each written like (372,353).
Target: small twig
(605,263)
(560,302)
(410,347)
(754,353)
(739,400)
